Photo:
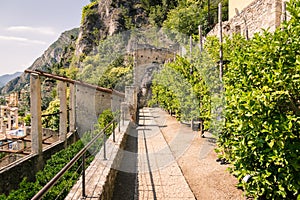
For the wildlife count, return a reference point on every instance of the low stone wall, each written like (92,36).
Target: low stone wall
(108,187)
(90,103)
(28,166)
(101,174)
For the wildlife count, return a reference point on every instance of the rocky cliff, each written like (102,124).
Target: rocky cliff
(105,18)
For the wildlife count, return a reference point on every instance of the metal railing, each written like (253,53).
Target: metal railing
(80,154)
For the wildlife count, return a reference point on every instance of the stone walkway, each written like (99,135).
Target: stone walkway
(148,168)
(159,176)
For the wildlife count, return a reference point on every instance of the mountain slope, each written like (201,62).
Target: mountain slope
(58,55)
(4,79)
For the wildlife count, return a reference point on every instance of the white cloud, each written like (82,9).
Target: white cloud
(21,39)
(41,30)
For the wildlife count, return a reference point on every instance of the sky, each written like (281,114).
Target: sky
(29,27)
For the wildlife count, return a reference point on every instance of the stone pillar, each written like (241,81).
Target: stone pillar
(63,117)
(16,118)
(36,114)
(130,93)
(25,130)
(131,100)
(1,123)
(135,70)
(4,129)
(72,107)
(9,122)
(125,113)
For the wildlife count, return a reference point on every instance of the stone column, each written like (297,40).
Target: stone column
(1,123)
(1,111)
(63,117)
(135,70)
(36,114)
(125,111)
(131,99)
(16,118)
(25,130)
(9,121)
(72,107)
(130,93)
(3,127)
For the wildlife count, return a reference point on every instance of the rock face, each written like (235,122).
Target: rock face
(57,54)
(107,18)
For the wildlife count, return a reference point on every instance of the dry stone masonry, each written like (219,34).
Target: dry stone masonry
(257,16)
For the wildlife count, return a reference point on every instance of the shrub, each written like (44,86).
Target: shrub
(261,136)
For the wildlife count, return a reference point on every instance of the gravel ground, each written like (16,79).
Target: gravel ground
(207,178)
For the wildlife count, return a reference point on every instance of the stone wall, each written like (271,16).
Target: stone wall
(117,156)
(28,166)
(144,60)
(101,175)
(91,102)
(260,14)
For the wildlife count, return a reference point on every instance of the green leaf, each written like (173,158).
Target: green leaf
(271,144)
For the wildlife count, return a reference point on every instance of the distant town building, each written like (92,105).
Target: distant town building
(9,117)
(12,99)
(9,113)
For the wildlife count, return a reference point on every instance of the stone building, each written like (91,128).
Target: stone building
(248,17)
(9,112)
(9,117)
(12,99)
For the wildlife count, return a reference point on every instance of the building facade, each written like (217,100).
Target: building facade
(248,17)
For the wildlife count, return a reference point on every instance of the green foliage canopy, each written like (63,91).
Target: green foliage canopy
(52,121)
(261,135)
(179,88)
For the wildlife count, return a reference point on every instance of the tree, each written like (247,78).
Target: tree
(179,88)
(159,11)
(52,121)
(188,15)
(186,19)
(2,101)
(261,134)
(27,119)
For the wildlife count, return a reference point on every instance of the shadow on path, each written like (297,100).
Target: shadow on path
(126,182)
(142,118)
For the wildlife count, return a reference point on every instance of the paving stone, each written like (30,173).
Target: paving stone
(159,174)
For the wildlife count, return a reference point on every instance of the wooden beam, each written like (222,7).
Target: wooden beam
(71,81)
(52,114)
(11,151)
